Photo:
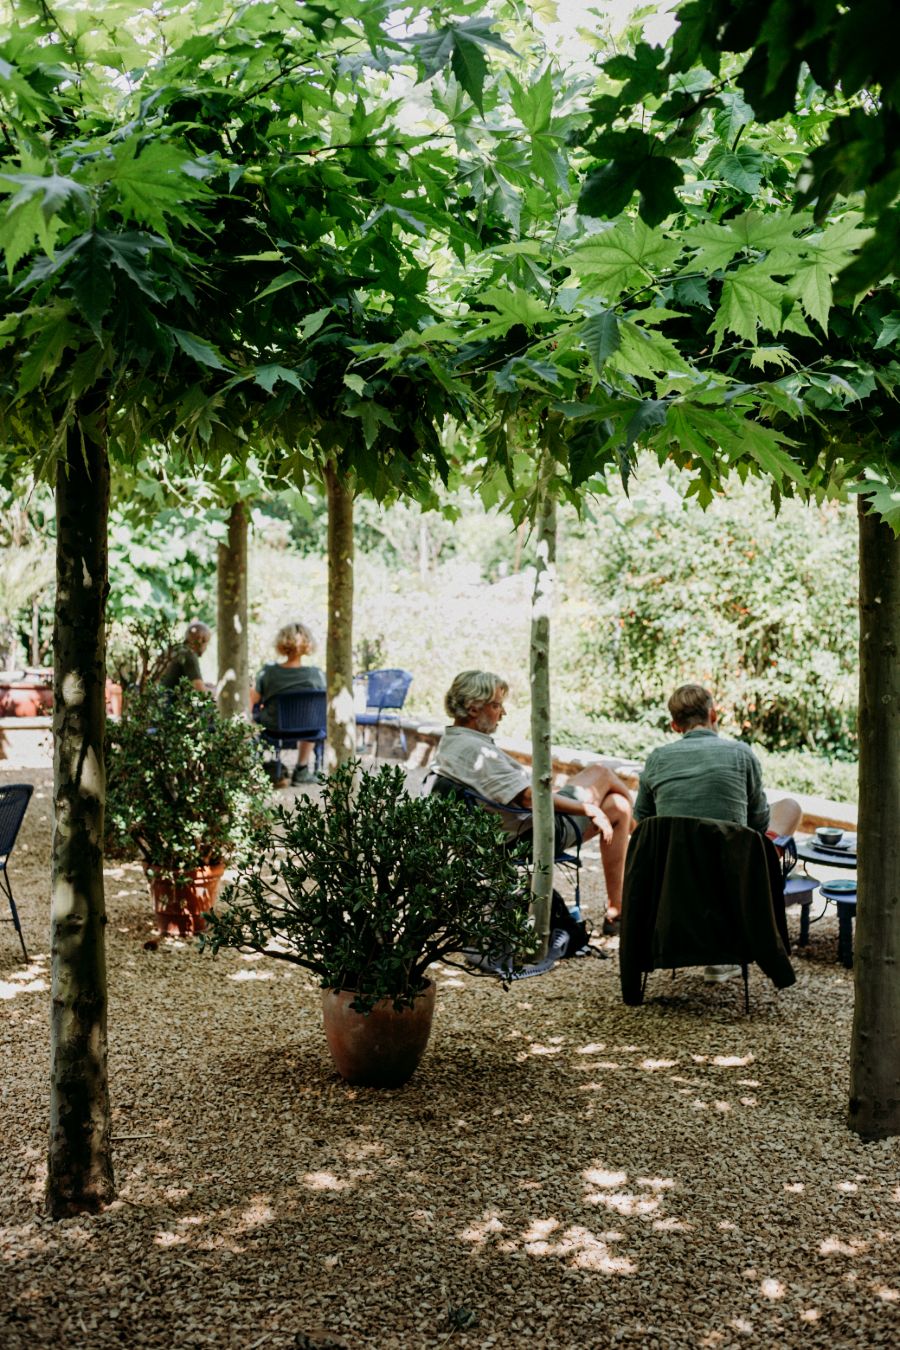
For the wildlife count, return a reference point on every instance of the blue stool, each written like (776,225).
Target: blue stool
(843,893)
(800,891)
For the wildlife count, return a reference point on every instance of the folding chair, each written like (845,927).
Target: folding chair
(14,801)
(697,893)
(301,717)
(386,692)
(565,858)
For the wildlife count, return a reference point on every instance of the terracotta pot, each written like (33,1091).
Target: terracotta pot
(381,1048)
(24,698)
(180,906)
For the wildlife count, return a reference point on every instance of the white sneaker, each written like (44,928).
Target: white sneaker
(718,974)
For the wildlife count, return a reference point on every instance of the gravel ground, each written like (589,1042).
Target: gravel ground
(562,1170)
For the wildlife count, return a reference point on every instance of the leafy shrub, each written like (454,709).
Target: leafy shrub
(184,785)
(759,607)
(369,888)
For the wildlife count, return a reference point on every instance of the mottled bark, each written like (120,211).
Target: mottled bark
(875,1048)
(541,756)
(231,627)
(80,1176)
(339,647)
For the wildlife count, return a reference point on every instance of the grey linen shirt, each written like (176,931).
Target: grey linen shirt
(471,758)
(703,774)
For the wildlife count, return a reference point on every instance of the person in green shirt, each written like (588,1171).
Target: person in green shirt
(184,663)
(707,775)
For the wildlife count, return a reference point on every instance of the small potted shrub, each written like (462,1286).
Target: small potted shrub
(366,889)
(184,793)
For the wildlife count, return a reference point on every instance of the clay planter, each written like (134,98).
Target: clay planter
(180,906)
(381,1048)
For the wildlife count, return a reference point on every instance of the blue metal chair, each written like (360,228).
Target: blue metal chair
(14,801)
(301,717)
(386,692)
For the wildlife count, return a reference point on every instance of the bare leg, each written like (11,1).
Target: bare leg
(606,789)
(785,816)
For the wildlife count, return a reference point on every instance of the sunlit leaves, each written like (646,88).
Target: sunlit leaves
(463,47)
(751,299)
(628,255)
(154,181)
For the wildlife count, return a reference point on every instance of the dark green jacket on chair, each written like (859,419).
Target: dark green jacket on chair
(698,893)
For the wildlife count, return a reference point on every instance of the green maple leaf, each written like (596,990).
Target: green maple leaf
(812,286)
(642,352)
(154,183)
(627,255)
(716,246)
(883,491)
(890,331)
(681,425)
(469,65)
(19,229)
(47,338)
(600,334)
(733,169)
(202,352)
(514,307)
(751,298)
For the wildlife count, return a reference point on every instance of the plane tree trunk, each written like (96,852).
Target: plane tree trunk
(875,1047)
(541,753)
(339,647)
(80,1175)
(231,628)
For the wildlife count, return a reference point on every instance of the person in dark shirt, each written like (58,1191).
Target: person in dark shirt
(707,775)
(294,642)
(184,663)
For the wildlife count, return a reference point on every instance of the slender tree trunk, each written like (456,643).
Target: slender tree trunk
(35,633)
(80,1176)
(339,653)
(875,1048)
(541,754)
(231,630)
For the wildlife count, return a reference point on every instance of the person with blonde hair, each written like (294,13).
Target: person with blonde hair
(593,802)
(293,642)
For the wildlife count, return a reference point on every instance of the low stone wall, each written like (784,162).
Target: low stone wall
(422,738)
(26,742)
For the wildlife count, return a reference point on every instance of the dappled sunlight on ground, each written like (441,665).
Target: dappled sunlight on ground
(561,1172)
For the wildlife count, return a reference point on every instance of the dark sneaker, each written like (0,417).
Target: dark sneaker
(611,926)
(302,774)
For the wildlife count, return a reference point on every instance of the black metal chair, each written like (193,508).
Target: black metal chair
(14,801)
(799,889)
(386,692)
(301,717)
(697,893)
(567,858)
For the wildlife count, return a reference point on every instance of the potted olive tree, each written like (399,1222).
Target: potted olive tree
(186,792)
(366,889)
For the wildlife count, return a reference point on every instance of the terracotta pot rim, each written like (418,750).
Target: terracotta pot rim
(333,989)
(167,874)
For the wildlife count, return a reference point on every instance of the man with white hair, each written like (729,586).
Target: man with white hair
(593,802)
(185,660)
